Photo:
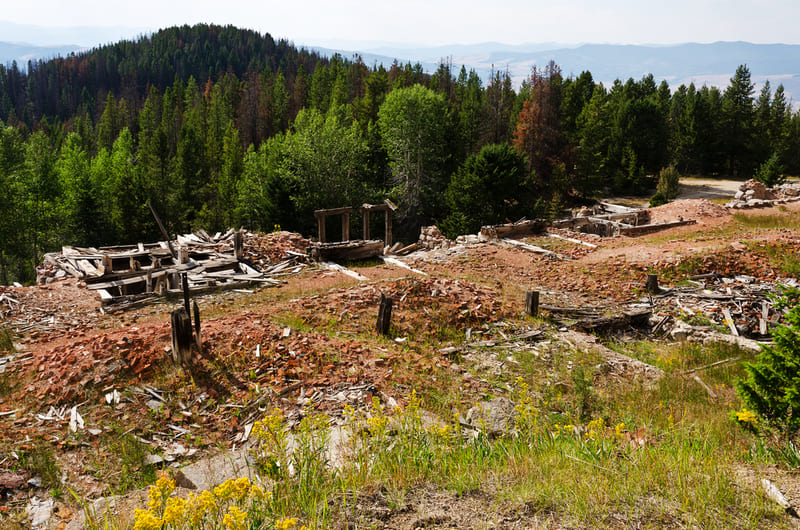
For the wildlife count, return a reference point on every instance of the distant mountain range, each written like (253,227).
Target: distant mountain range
(712,64)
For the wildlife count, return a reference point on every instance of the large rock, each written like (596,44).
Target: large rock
(213,471)
(494,417)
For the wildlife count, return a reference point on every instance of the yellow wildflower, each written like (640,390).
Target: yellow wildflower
(235,519)
(286,524)
(159,492)
(746,416)
(199,506)
(146,520)
(619,430)
(174,511)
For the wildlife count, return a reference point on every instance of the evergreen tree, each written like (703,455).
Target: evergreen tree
(771,387)
(738,119)
(490,187)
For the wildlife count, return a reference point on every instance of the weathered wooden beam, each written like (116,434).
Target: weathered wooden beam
(346,226)
(197,337)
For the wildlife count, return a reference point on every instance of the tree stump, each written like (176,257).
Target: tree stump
(651,284)
(384,315)
(532,303)
(181,336)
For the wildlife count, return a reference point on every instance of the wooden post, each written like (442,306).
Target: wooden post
(320,226)
(651,285)
(238,244)
(181,336)
(365,221)
(148,282)
(185,287)
(762,322)
(532,303)
(384,315)
(388,224)
(183,255)
(346,226)
(197,337)
(107,263)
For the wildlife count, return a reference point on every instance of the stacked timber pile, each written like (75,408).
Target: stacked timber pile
(145,271)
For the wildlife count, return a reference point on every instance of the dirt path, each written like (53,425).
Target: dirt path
(700,188)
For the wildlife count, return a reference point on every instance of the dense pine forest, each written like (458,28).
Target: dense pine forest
(220,127)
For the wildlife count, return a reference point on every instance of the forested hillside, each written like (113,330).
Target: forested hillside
(219,127)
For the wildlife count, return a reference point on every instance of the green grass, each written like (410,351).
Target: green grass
(768,222)
(119,462)
(6,341)
(651,457)
(39,460)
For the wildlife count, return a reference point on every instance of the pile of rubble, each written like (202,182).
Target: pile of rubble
(754,194)
(702,210)
(444,302)
(431,238)
(262,250)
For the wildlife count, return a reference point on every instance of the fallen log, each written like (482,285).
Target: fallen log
(346,251)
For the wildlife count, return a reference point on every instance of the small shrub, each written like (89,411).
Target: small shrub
(769,173)
(668,186)
(771,388)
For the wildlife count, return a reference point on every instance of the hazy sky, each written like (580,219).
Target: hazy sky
(442,22)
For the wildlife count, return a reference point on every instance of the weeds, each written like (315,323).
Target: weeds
(6,340)
(40,461)
(121,463)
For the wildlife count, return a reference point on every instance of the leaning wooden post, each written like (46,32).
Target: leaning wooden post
(197,337)
(651,284)
(181,336)
(163,231)
(384,315)
(532,303)
(185,287)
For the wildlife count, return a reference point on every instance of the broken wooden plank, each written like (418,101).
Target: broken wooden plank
(729,320)
(571,240)
(533,248)
(331,266)
(394,261)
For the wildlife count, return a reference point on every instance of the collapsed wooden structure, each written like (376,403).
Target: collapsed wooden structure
(608,220)
(123,273)
(348,249)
